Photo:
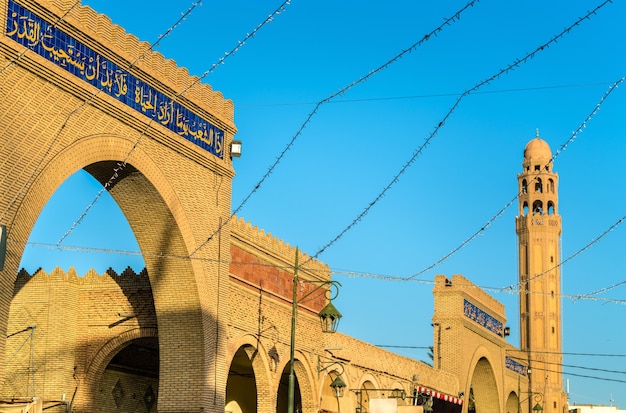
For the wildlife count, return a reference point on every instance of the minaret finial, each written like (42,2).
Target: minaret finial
(537,133)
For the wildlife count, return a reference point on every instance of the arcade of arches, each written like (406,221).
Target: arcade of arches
(206,326)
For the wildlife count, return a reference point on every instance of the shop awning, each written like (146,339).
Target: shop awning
(439,395)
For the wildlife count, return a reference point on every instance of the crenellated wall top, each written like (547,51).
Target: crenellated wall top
(127,278)
(253,235)
(98,31)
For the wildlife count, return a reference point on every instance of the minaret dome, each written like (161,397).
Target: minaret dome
(537,156)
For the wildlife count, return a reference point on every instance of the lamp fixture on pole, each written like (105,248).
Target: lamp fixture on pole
(329,317)
(338,386)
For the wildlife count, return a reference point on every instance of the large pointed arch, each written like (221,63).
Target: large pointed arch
(163,222)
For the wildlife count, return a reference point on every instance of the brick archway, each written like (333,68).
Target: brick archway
(150,212)
(86,397)
(484,388)
(173,191)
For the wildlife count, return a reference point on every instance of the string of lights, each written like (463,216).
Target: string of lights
(591,296)
(122,165)
(502,210)
(447,22)
(576,253)
(48,29)
(420,150)
(13,61)
(36,170)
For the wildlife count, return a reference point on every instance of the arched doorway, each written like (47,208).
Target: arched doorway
(483,397)
(282,398)
(512,403)
(132,376)
(241,389)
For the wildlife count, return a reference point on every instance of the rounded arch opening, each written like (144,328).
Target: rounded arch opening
(483,395)
(132,378)
(538,185)
(241,388)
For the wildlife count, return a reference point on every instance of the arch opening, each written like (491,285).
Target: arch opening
(483,395)
(131,378)
(241,388)
(282,398)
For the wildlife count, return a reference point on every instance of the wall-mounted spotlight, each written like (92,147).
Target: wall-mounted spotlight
(235,149)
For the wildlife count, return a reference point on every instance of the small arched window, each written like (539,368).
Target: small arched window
(538,185)
(551,185)
(524,186)
(525,208)
(550,208)
(537,207)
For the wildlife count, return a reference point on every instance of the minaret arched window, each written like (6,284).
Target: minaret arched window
(551,185)
(550,207)
(538,185)
(525,208)
(538,207)
(524,186)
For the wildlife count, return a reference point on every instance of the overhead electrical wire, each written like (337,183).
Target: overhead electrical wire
(21,192)
(50,27)
(570,354)
(579,375)
(326,100)
(452,109)
(410,49)
(568,365)
(591,296)
(11,63)
(122,165)
(429,96)
(501,211)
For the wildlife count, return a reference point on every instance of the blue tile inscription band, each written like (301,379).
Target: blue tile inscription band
(515,366)
(482,318)
(58,47)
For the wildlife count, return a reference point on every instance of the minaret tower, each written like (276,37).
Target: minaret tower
(538,227)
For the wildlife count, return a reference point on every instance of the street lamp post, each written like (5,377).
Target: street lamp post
(329,317)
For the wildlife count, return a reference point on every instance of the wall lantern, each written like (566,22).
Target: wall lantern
(329,316)
(338,386)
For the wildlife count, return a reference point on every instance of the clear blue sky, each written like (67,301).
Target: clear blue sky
(354,146)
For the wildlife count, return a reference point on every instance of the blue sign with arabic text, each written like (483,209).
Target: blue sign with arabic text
(46,40)
(482,318)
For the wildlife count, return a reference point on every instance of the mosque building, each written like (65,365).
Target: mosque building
(225,317)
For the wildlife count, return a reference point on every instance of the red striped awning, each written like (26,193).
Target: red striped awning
(439,395)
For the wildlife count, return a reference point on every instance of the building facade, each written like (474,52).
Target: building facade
(206,326)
